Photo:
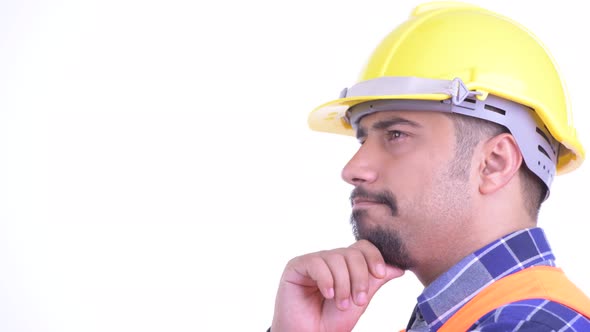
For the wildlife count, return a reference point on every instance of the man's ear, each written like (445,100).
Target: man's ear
(500,161)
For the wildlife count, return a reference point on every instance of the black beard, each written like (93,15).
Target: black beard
(388,241)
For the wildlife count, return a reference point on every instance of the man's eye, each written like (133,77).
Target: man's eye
(394,134)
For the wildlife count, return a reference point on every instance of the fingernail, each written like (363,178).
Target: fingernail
(344,304)
(380,269)
(330,293)
(361,298)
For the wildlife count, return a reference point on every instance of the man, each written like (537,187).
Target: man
(463,122)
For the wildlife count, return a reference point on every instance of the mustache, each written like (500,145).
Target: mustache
(383,197)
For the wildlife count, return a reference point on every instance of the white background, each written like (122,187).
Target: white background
(157,172)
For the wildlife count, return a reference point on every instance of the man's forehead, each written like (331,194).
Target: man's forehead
(422,118)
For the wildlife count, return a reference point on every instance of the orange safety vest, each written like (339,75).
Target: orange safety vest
(539,282)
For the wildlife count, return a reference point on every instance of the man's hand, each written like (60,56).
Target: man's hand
(329,290)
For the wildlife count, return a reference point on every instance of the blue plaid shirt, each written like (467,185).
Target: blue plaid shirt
(510,254)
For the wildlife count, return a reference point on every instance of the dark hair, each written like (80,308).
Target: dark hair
(469,132)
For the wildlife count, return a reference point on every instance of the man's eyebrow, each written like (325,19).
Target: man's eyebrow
(384,124)
(361,132)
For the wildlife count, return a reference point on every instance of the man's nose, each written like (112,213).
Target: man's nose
(361,169)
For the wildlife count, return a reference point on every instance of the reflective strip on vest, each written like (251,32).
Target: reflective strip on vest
(539,282)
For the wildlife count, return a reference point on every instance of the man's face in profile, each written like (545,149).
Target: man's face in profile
(405,200)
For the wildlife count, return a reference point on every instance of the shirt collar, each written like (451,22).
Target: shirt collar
(507,255)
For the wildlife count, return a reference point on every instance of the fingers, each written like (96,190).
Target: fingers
(347,275)
(373,258)
(320,272)
(330,272)
(359,276)
(336,262)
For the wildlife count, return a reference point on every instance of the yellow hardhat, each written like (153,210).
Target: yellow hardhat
(445,46)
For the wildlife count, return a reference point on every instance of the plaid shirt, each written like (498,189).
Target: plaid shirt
(510,254)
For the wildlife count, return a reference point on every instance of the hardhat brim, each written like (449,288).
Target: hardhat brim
(331,116)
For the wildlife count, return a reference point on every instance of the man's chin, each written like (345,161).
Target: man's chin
(388,242)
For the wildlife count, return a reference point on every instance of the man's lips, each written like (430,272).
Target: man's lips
(363,202)
(361,198)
